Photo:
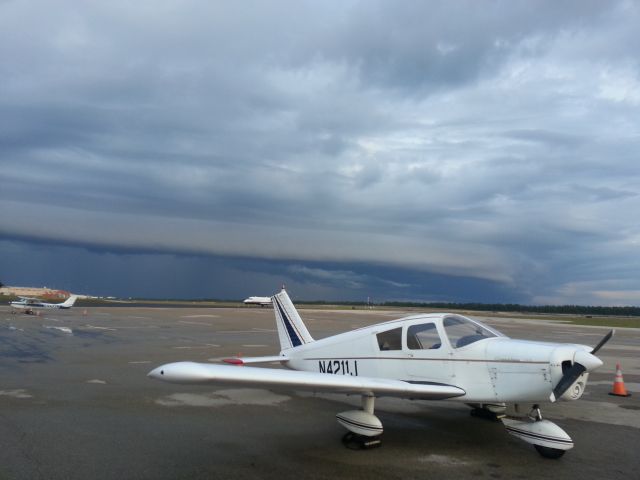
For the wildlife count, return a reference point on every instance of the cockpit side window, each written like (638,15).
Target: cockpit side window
(390,340)
(462,331)
(423,336)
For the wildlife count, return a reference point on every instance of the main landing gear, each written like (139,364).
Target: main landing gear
(549,440)
(487,411)
(365,429)
(353,441)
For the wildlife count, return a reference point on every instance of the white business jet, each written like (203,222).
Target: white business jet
(262,301)
(420,357)
(28,305)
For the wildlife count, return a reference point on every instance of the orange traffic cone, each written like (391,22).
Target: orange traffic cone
(619,389)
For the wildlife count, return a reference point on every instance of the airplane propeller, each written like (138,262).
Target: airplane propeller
(606,338)
(582,362)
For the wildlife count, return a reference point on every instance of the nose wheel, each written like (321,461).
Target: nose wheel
(548,452)
(548,439)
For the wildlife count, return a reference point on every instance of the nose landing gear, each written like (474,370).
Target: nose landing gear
(549,439)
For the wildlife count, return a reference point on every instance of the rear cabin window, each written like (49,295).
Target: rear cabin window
(462,332)
(423,337)
(390,340)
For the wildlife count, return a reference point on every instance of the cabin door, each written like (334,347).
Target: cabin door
(428,358)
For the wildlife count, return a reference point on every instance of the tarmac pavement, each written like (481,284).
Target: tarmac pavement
(75,403)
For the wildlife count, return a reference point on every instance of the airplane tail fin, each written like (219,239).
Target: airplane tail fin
(291,329)
(69,301)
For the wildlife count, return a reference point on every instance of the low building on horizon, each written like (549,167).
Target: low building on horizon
(43,292)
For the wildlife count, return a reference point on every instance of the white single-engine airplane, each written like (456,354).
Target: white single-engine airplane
(27,304)
(262,301)
(420,357)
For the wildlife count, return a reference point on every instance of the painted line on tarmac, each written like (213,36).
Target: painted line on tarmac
(196,347)
(631,386)
(18,393)
(233,332)
(62,329)
(220,398)
(100,328)
(195,323)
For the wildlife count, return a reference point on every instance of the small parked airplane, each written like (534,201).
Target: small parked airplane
(262,301)
(27,304)
(420,357)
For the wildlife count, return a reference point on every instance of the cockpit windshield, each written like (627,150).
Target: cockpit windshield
(462,331)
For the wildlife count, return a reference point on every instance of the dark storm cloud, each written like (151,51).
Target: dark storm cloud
(149,274)
(485,141)
(422,46)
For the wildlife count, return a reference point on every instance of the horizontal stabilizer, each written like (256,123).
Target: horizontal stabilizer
(246,360)
(207,374)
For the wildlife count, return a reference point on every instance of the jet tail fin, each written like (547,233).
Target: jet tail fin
(291,329)
(69,301)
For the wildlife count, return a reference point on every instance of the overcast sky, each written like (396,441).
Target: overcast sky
(461,150)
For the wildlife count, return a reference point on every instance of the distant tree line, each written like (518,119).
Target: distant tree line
(496,307)
(513,307)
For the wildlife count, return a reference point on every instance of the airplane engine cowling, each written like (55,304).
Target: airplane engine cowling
(575,391)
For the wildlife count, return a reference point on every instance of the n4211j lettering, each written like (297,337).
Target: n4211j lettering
(338,367)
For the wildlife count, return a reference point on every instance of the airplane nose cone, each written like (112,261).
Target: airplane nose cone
(589,361)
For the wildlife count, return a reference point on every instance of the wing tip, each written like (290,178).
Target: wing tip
(233,361)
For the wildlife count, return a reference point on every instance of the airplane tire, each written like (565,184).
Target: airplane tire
(548,452)
(354,441)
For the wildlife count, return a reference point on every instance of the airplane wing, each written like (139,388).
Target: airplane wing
(29,300)
(205,374)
